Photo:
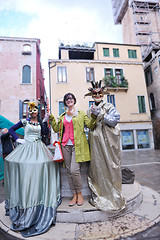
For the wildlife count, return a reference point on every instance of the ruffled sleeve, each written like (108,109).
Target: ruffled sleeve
(14,128)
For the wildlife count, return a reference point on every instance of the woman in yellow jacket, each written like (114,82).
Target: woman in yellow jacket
(74,143)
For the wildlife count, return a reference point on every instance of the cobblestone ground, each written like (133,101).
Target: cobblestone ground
(113,229)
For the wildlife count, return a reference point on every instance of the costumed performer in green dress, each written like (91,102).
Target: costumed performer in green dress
(32,181)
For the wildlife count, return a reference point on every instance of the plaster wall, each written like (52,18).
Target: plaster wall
(11,64)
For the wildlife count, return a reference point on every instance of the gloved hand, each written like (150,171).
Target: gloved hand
(21,141)
(95,111)
(46,117)
(4,130)
(111,118)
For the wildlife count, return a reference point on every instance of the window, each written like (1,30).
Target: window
(111,99)
(127,140)
(106,52)
(108,72)
(142,139)
(62,108)
(141,104)
(148,76)
(26,49)
(26,74)
(119,75)
(89,74)
(115,52)
(132,53)
(62,74)
(152,102)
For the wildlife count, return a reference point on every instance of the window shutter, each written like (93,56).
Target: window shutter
(146,77)
(139,104)
(111,72)
(129,54)
(121,71)
(143,105)
(20,109)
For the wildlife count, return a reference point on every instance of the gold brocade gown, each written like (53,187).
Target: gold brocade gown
(105,180)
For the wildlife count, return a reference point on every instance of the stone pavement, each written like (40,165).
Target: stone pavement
(142,223)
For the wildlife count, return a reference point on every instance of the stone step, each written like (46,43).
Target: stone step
(88,213)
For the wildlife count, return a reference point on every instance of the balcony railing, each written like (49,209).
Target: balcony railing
(113,82)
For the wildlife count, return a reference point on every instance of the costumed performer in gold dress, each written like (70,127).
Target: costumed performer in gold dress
(105,180)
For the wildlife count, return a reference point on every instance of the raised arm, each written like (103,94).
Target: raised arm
(14,128)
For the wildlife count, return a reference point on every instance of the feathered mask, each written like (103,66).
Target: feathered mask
(33,107)
(96,89)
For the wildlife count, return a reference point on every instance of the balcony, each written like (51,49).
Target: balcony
(114,84)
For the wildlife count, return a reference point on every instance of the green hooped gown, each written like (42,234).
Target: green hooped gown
(32,184)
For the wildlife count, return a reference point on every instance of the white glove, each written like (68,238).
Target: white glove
(111,118)
(21,141)
(95,111)
(4,130)
(46,117)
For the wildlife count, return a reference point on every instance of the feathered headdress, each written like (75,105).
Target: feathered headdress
(32,105)
(96,87)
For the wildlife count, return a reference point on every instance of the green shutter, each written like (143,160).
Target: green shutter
(111,72)
(143,105)
(134,54)
(146,77)
(105,75)
(115,52)
(121,71)
(129,54)
(139,104)
(106,52)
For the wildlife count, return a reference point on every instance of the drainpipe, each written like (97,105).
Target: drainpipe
(50,84)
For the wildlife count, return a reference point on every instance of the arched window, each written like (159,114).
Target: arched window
(26,74)
(152,102)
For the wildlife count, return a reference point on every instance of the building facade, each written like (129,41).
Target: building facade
(121,68)
(140,21)
(21,77)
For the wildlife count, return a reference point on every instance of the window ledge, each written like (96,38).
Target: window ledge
(26,83)
(116,89)
(26,52)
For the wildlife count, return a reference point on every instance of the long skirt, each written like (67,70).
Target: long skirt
(32,188)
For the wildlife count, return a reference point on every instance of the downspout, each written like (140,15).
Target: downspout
(50,84)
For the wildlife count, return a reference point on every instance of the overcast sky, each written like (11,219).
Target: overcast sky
(58,20)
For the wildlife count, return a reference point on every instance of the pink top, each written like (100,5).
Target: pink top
(68,132)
